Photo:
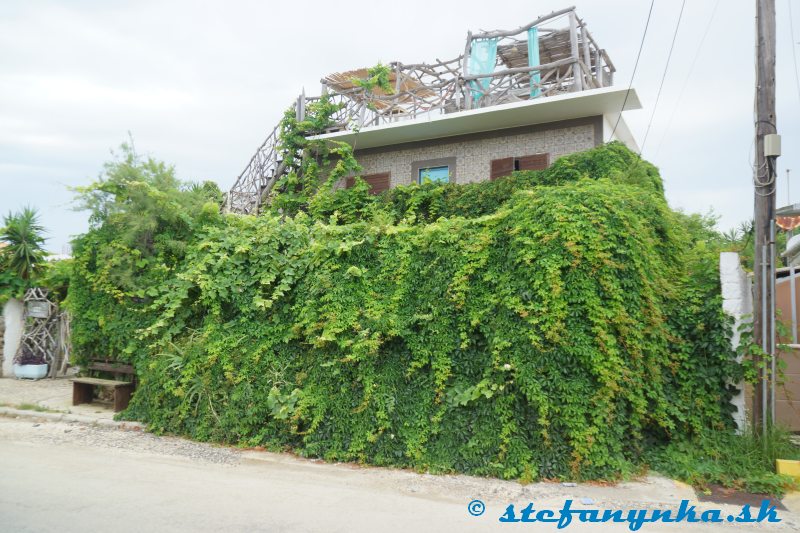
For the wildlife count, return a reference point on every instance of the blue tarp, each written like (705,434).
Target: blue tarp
(482,59)
(533,60)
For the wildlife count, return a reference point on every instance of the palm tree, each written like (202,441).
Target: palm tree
(23,236)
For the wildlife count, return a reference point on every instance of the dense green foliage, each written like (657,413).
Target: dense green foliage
(55,277)
(431,201)
(22,255)
(23,260)
(742,462)
(142,221)
(311,166)
(378,77)
(550,324)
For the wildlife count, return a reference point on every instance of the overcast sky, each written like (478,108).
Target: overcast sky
(200,84)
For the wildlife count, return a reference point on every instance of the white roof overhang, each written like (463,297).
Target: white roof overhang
(589,103)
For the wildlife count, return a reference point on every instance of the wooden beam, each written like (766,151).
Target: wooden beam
(587,58)
(577,84)
(611,67)
(519,70)
(599,67)
(464,65)
(509,33)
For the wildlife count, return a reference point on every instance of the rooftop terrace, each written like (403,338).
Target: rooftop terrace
(552,55)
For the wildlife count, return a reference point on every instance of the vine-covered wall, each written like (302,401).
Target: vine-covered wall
(550,324)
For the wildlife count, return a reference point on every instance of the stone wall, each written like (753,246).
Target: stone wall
(474,153)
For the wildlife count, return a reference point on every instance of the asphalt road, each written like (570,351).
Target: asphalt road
(64,477)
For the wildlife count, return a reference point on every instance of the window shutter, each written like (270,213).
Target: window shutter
(377,182)
(501,167)
(534,162)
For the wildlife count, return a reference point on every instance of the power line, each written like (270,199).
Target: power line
(635,66)
(663,77)
(688,75)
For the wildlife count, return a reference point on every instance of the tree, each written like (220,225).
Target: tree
(142,220)
(23,254)
(140,212)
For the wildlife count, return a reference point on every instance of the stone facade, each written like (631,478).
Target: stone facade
(474,153)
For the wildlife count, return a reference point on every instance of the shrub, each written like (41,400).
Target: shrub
(22,256)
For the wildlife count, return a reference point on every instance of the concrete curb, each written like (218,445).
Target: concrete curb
(69,417)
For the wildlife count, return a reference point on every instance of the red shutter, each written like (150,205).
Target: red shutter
(377,182)
(534,162)
(501,167)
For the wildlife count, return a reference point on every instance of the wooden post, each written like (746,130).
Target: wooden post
(397,88)
(82,393)
(764,181)
(599,66)
(362,114)
(300,108)
(464,67)
(587,58)
(122,397)
(577,75)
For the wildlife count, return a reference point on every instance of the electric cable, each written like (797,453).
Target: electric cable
(635,66)
(663,77)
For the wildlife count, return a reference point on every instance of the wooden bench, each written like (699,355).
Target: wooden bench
(83,387)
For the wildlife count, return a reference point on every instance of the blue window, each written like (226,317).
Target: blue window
(435,174)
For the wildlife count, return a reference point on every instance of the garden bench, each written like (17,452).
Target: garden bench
(83,387)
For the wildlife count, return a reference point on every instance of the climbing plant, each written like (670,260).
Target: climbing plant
(311,165)
(377,77)
(551,324)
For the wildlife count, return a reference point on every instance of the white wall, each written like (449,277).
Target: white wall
(12,312)
(737,301)
(622,133)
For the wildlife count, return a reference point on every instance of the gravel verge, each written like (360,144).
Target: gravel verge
(123,437)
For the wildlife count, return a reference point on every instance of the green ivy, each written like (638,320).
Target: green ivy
(427,202)
(377,76)
(311,166)
(553,324)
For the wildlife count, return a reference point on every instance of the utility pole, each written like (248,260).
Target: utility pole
(764,181)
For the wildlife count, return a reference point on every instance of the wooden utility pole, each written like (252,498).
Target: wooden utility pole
(764,181)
